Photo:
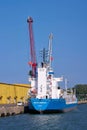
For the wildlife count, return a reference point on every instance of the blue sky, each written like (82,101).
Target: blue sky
(66,19)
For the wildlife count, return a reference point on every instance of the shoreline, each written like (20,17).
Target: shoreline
(13,109)
(82,102)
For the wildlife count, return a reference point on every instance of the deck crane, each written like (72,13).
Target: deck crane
(32,63)
(50,49)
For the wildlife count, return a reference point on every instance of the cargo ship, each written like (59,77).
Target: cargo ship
(46,94)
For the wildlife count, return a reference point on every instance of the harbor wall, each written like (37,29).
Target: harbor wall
(13,93)
(8,110)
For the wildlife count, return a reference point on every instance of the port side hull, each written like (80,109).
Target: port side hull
(50,106)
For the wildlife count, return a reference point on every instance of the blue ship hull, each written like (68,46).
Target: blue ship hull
(49,105)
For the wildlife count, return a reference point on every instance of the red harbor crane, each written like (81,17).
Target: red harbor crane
(32,63)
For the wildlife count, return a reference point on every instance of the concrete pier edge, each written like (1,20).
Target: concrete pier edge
(9,110)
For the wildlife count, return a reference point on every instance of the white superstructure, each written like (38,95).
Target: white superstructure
(45,85)
(42,82)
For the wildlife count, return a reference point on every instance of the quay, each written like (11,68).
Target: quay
(12,109)
(82,102)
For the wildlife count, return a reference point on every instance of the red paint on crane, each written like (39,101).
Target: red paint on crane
(32,47)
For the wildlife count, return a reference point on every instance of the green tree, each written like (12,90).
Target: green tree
(81,91)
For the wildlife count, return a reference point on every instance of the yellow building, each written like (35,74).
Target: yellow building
(13,93)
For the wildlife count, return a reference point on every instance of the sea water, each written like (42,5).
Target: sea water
(73,120)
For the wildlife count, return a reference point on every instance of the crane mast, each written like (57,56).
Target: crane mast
(32,47)
(50,49)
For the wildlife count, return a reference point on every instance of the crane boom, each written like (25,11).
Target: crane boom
(50,48)
(32,47)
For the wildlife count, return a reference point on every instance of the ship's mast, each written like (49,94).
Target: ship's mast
(44,55)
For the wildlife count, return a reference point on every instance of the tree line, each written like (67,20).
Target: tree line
(81,91)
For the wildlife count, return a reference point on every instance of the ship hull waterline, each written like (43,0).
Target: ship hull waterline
(50,106)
